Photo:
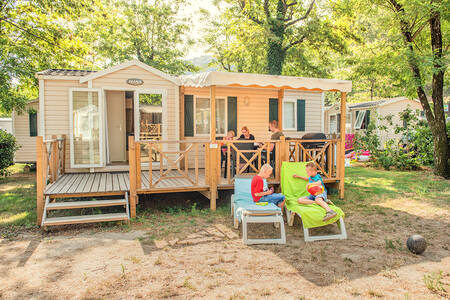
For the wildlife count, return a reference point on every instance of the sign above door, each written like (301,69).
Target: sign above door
(135,81)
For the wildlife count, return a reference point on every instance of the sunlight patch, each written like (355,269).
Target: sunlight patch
(13,218)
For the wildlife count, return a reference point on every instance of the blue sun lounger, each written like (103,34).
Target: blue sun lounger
(244,210)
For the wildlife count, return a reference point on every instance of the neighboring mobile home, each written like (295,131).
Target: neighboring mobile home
(360,114)
(98,110)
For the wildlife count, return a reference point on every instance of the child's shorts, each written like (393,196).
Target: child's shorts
(272,198)
(323,196)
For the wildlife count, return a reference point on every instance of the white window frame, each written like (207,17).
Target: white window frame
(226,116)
(102,128)
(329,123)
(295,113)
(195,116)
(137,115)
(359,120)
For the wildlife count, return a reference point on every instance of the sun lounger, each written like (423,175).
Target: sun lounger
(244,210)
(311,214)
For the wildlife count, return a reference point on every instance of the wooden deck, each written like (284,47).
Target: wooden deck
(118,183)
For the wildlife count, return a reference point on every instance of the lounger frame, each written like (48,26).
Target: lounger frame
(290,215)
(263,217)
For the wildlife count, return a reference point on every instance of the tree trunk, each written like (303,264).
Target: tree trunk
(441,147)
(275,51)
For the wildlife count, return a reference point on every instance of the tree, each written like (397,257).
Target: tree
(31,40)
(412,23)
(149,31)
(278,18)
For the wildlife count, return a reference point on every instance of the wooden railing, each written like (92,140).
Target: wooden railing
(247,157)
(323,153)
(50,164)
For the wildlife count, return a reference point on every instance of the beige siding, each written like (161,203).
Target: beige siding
(313,111)
(395,109)
(56,103)
(27,151)
(151,81)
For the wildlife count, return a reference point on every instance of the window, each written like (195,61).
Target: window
(333,124)
(289,115)
(359,119)
(202,116)
(32,116)
(348,123)
(221,117)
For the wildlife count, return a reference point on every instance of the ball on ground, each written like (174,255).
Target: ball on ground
(416,244)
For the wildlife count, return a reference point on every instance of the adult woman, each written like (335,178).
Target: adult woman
(246,135)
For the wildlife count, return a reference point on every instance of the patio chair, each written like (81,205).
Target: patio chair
(246,211)
(311,214)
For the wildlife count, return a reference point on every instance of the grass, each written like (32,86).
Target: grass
(17,199)
(368,191)
(434,282)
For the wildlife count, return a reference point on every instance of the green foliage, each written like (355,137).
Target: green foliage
(8,147)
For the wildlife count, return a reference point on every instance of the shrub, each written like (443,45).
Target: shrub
(8,147)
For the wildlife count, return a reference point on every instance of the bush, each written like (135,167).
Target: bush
(8,147)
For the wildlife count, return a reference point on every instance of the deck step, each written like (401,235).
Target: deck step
(85,204)
(85,219)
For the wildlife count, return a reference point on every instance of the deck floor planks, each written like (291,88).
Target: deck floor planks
(57,183)
(83,183)
(95,183)
(74,187)
(109,186)
(121,179)
(66,186)
(89,182)
(102,185)
(145,180)
(115,182)
(127,180)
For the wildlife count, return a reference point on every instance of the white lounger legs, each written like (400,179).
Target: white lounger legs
(342,236)
(248,218)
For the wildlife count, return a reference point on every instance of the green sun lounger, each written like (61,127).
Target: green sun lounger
(311,214)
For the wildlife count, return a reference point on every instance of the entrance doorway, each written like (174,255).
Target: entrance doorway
(116,122)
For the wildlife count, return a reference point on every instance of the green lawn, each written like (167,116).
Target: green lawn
(367,191)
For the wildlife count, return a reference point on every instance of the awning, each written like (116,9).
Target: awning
(262,80)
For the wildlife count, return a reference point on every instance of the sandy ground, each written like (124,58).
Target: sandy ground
(210,261)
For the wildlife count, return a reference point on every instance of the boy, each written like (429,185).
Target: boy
(261,193)
(320,199)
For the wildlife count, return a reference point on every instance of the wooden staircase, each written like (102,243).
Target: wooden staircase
(95,218)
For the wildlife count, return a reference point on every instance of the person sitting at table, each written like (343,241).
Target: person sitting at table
(246,135)
(276,133)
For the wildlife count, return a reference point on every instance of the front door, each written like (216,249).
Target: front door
(116,116)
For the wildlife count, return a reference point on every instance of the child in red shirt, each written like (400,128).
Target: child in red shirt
(261,193)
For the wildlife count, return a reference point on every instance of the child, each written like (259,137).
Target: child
(261,193)
(320,199)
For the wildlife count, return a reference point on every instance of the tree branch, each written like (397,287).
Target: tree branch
(252,18)
(266,8)
(304,17)
(300,40)
(413,64)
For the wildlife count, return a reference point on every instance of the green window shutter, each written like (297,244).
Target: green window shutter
(32,116)
(367,116)
(232,114)
(188,115)
(301,115)
(273,109)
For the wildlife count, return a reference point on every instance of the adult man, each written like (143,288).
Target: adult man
(276,132)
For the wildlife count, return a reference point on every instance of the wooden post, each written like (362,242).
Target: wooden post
(40,185)
(280,108)
(213,176)
(137,150)
(54,158)
(181,113)
(63,158)
(341,150)
(132,163)
(212,102)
